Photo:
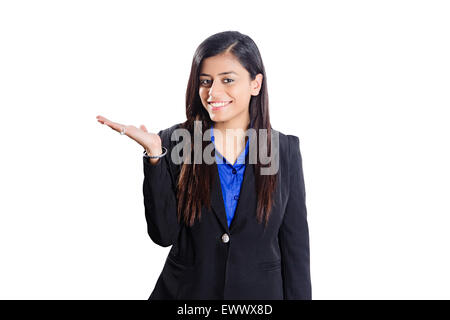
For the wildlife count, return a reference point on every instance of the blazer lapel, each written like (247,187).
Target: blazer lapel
(217,203)
(246,202)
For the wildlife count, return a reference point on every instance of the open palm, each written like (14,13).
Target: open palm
(149,141)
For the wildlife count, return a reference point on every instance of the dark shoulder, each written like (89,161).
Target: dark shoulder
(287,142)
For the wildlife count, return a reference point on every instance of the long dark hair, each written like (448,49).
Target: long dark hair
(193,188)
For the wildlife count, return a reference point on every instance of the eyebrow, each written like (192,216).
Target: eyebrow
(228,72)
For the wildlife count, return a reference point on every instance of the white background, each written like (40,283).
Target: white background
(363,84)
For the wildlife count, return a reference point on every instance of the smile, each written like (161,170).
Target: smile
(219,105)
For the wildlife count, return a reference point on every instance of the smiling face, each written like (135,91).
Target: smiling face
(225,90)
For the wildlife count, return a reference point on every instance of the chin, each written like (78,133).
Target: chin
(217,118)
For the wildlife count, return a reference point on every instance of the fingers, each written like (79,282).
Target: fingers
(113,125)
(140,135)
(101,119)
(143,128)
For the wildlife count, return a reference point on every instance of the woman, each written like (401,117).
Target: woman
(238,228)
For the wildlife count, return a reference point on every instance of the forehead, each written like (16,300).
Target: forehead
(221,63)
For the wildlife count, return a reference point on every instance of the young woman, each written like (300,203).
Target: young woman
(236,232)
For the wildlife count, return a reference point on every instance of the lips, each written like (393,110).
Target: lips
(218,107)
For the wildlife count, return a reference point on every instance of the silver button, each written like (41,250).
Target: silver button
(225,238)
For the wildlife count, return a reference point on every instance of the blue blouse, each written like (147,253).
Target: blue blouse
(231,176)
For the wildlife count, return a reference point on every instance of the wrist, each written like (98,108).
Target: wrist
(153,151)
(155,155)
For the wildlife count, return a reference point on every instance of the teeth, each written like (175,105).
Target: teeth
(221,104)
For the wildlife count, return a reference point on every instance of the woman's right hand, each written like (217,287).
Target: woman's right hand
(149,141)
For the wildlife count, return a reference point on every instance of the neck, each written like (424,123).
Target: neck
(233,134)
(237,127)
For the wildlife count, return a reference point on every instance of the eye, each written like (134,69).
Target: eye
(206,81)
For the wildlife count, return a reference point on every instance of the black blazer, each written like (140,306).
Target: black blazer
(253,263)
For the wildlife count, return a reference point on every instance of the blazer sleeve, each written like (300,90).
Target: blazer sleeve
(160,200)
(293,235)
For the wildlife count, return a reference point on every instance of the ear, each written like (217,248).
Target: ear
(255,85)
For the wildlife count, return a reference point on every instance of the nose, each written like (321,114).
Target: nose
(215,89)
